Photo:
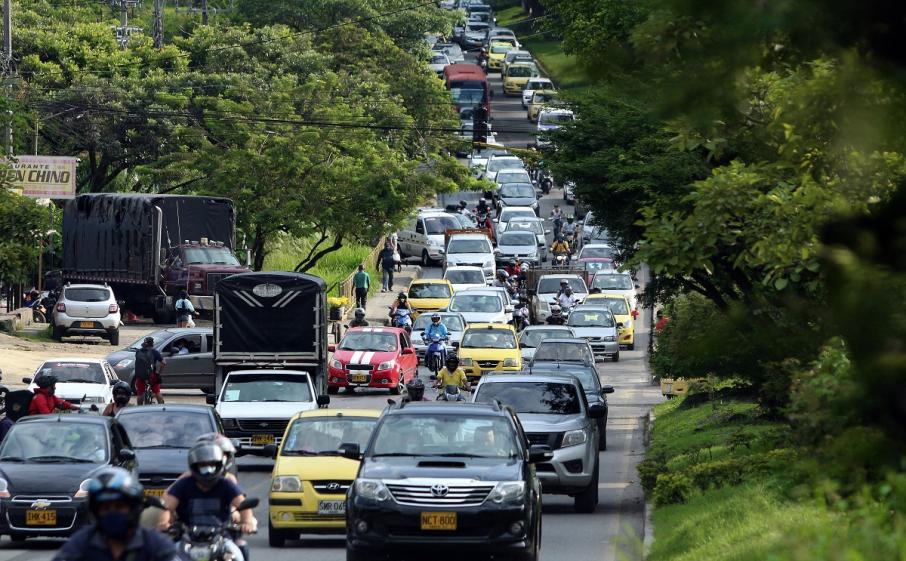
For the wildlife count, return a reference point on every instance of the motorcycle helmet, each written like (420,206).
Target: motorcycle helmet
(513,263)
(121,393)
(46,381)
(148,342)
(225,444)
(435,318)
(207,463)
(114,484)
(502,275)
(452,362)
(482,201)
(463,204)
(555,310)
(402,296)
(360,314)
(570,218)
(416,389)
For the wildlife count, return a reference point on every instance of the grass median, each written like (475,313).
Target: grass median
(333,267)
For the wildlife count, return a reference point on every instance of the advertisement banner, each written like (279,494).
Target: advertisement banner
(40,177)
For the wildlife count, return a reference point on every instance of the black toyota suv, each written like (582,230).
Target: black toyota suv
(445,477)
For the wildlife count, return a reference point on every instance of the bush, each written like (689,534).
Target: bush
(649,469)
(672,488)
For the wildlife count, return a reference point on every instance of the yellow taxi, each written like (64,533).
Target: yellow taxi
(517,76)
(622,312)
(497,52)
(540,98)
(310,478)
(487,347)
(429,295)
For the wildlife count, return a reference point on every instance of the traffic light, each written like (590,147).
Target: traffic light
(480,128)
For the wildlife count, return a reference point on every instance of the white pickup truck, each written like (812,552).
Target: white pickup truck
(471,249)
(547,290)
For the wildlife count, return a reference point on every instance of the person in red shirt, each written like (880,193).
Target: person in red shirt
(45,401)
(662,321)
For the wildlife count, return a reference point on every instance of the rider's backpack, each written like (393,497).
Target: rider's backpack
(17,404)
(181,305)
(144,363)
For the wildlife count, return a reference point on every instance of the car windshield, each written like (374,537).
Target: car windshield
(588,377)
(599,266)
(596,251)
(165,429)
(439,59)
(515,177)
(520,71)
(497,164)
(159,337)
(477,26)
(590,318)
(551,285)
(500,48)
(369,341)
(561,352)
(533,226)
(439,224)
(210,255)
(482,303)
(452,323)
(468,276)
(541,98)
(462,96)
(469,246)
(464,221)
(508,215)
(266,388)
(73,372)
(516,190)
(555,118)
(424,290)
(445,435)
(322,436)
(488,339)
(537,84)
(87,294)
(616,281)
(532,337)
(517,238)
(546,398)
(617,305)
(56,441)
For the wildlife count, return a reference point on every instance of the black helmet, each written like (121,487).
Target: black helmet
(452,359)
(402,296)
(502,275)
(226,445)
(513,262)
(47,381)
(207,462)
(463,204)
(122,387)
(360,313)
(113,484)
(416,389)
(148,342)
(435,317)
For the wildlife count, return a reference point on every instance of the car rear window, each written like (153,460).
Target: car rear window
(165,429)
(561,352)
(73,372)
(471,276)
(551,398)
(552,285)
(429,291)
(86,294)
(517,238)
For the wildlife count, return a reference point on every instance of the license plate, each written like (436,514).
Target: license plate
(154,492)
(41,517)
(438,521)
(332,508)
(262,439)
(86,324)
(359,378)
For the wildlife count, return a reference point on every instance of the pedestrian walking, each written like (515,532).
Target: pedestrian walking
(362,282)
(387,264)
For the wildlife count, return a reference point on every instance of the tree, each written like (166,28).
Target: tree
(22,225)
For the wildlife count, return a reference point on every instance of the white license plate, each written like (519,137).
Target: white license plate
(332,508)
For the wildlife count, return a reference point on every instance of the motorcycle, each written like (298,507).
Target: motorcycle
(450,393)
(436,354)
(546,182)
(214,542)
(402,317)
(3,391)
(561,261)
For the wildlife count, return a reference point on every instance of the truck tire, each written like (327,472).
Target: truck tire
(426,259)
(616,356)
(114,337)
(58,333)
(587,500)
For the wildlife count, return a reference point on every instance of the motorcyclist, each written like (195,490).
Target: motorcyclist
(122,393)
(436,328)
(483,207)
(512,269)
(569,229)
(567,300)
(44,401)
(556,217)
(402,301)
(503,279)
(149,364)
(518,320)
(560,246)
(556,317)
(452,375)
(208,496)
(415,391)
(115,501)
(359,320)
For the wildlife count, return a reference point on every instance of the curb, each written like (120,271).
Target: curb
(647,523)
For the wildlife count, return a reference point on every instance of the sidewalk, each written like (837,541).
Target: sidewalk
(379,302)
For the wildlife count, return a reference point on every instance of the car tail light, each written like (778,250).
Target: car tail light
(61,307)
(114,308)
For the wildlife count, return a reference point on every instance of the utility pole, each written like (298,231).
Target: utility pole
(204,12)
(7,69)
(123,31)
(158,30)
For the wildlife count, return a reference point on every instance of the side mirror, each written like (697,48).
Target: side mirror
(210,399)
(350,451)
(637,286)
(26,380)
(455,344)
(596,411)
(408,351)
(331,348)
(619,325)
(540,453)
(114,382)
(606,389)
(323,400)
(126,455)
(508,308)
(270,451)
(248,504)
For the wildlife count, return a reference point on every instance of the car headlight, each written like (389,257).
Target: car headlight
(336,364)
(125,363)
(94,399)
(229,423)
(372,490)
(508,492)
(574,438)
(286,484)
(535,205)
(489,263)
(83,489)
(465,361)
(510,362)
(545,307)
(609,338)
(387,365)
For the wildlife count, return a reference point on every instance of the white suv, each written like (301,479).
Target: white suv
(87,309)
(471,250)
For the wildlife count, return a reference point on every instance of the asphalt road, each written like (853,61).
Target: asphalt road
(618,522)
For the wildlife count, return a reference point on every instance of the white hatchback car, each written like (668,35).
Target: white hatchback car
(465,277)
(87,309)
(81,381)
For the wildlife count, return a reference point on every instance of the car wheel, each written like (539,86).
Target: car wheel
(332,390)
(587,500)
(398,388)
(534,553)
(602,439)
(58,333)
(630,346)
(207,390)
(115,337)
(616,356)
(353,555)
(426,260)
(275,537)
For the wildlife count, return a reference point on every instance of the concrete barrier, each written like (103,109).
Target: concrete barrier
(17,320)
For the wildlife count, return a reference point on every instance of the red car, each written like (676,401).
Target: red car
(372,357)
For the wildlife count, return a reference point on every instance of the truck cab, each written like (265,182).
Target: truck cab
(197,266)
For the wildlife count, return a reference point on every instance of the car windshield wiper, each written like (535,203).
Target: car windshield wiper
(159,446)
(299,453)
(397,454)
(11,459)
(79,381)
(462,455)
(59,459)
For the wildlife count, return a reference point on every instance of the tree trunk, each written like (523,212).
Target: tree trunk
(258,249)
(307,264)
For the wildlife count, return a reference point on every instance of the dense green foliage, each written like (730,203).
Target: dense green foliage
(22,225)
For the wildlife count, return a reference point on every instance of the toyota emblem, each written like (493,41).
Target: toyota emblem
(262,425)
(439,490)
(333,486)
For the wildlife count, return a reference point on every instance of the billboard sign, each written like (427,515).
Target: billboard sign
(40,177)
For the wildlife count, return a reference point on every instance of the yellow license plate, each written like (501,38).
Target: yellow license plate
(262,439)
(41,517)
(359,378)
(438,521)
(86,324)
(154,492)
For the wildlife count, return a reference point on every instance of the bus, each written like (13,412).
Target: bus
(468,84)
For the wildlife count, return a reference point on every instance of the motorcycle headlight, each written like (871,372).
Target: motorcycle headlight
(336,364)
(465,361)
(574,438)
(199,552)
(372,489)
(387,365)
(286,484)
(125,363)
(83,489)
(508,492)
(510,362)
